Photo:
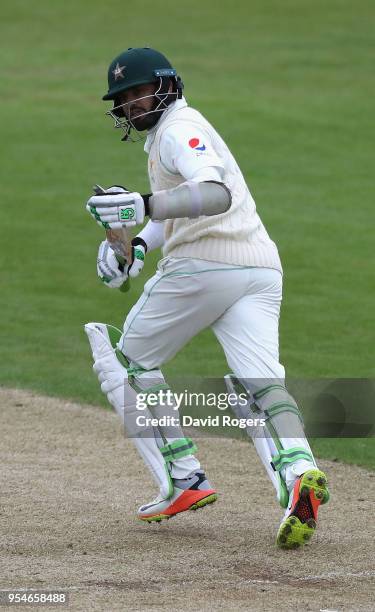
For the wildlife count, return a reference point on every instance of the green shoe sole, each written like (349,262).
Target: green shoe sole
(155,519)
(315,480)
(203,502)
(294,533)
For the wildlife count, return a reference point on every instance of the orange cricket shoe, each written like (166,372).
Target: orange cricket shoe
(189,494)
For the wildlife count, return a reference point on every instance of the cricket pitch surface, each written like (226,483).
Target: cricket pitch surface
(71,484)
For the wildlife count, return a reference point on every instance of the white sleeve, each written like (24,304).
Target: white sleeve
(187,150)
(211,173)
(153,235)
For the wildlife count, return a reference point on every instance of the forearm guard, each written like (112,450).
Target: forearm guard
(189,200)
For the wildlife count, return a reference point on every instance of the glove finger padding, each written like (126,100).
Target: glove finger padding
(114,189)
(138,262)
(109,270)
(139,252)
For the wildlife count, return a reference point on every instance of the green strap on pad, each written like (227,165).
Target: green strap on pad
(281,460)
(291,455)
(280,407)
(272,405)
(178,449)
(259,394)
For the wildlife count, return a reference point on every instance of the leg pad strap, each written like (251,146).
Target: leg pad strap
(178,448)
(274,400)
(284,457)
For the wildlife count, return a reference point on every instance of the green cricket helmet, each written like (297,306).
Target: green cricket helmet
(135,67)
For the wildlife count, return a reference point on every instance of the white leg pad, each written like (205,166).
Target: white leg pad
(285,458)
(114,381)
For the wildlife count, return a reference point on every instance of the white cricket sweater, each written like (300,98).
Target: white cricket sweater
(237,236)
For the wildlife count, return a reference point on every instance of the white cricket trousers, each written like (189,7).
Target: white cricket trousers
(242,307)
(240,304)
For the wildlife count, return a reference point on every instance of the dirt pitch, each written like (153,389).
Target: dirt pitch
(71,482)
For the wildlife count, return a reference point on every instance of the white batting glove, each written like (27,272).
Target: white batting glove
(139,249)
(110,271)
(115,208)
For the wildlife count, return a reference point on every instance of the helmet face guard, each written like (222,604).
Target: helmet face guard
(162,97)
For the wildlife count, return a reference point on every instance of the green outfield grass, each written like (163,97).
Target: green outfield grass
(290,87)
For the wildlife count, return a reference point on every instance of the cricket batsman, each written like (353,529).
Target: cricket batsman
(220,269)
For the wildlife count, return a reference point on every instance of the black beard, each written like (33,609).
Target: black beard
(146,122)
